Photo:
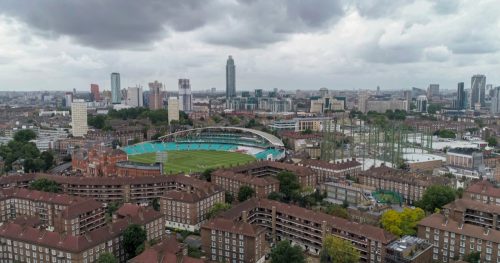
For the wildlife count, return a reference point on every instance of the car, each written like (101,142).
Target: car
(168,232)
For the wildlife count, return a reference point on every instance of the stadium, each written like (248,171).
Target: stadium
(198,149)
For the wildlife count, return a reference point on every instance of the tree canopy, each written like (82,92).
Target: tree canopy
(338,250)
(435,197)
(492,142)
(216,209)
(402,223)
(25,135)
(289,185)
(45,185)
(445,134)
(133,237)
(283,252)
(107,257)
(20,148)
(245,193)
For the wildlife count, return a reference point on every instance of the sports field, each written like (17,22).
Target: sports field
(195,161)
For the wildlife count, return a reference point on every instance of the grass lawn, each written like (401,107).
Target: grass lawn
(195,161)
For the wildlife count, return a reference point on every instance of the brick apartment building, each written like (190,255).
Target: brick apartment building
(409,249)
(188,210)
(128,168)
(227,241)
(231,182)
(327,171)
(62,212)
(260,176)
(138,190)
(483,191)
(169,250)
(411,186)
(97,161)
(21,243)
(305,227)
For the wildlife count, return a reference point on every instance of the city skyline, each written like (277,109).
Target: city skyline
(288,45)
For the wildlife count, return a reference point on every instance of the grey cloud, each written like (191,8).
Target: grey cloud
(256,23)
(109,24)
(446,6)
(378,8)
(132,24)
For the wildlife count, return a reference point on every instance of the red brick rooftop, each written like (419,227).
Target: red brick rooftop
(484,187)
(369,231)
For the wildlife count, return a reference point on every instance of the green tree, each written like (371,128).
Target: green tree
(435,197)
(24,135)
(289,185)
(340,250)
(337,210)
(229,197)
(245,193)
(433,108)
(45,185)
(402,223)
(492,142)
(107,257)
(112,207)
(48,160)
(283,252)
(234,120)
(133,237)
(216,209)
(155,204)
(473,257)
(445,134)
(207,174)
(98,121)
(275,196)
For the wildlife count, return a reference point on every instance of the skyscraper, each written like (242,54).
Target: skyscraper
(173,109)
(185,95)
(478,85)
(94,91)
(134,96)
(79,118)
(461,97)
(68,99)
(422,103)
(230,78)
(432,90)
(155,95)
(116,97)
(495,101)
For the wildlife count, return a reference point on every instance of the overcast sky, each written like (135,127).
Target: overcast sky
(288,44)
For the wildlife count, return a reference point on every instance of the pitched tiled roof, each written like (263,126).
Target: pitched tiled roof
(254,180)
(369,231)
(484,187)
(439,221)
(231,226)
(72,243)
(168,251)
(463,204)
(332,166)
(397,175)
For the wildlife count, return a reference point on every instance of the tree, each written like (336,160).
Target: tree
(435,197)
(229,197)
(337,210)
(207,174)
(48,160)
(289,185)
(133,237)
(24,135)
(433,108)
(340,250)
(473,257)
(245,193)
(112,207)
(402,223)
(492,142)
(98,122)
(277,196)
(45,185)
(107,257)
(217,209)
(445,134)
(283,252)
(155,204)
